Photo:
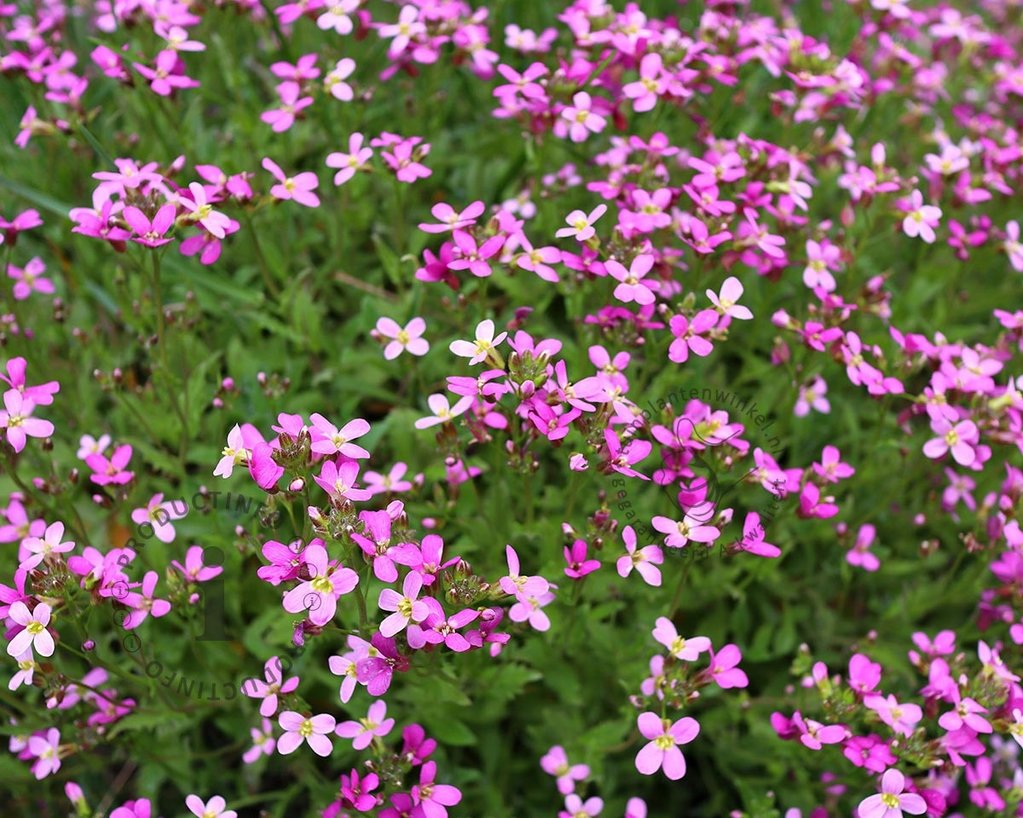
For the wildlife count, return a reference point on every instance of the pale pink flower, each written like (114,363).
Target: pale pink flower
(312,730)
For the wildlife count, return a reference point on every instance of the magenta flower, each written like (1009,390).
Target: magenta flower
(472,256)
(632,286)
(407,606)
(577,566)
(555,763)
(529,608)
(831,468)
(269,690)
(339,481)
(892,801)
(960,439)
(685,650)
(362,732)
(645,560)
(216,807)
(167,73)
(328,582)
(150,233)
(144,604)
(312,730)
(662,751)
(431,798)
(401,339)
(753,538)
(724,668)
(357,791)
(299,188)
(33,634)
(689,335)
(403,159)
(622,458)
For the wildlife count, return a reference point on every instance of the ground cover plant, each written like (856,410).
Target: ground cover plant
(510,409)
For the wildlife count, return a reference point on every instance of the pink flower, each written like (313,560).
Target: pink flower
(432,799)
(362,732)
(158,514)
(575,807)
(336,17)
(731,292)
(43,547)
(960,439)
(538,260)
(662,751)
(407,606)
(555,762)
(812,396)
(860,555)
(645,560)
(292,104)
(632,287)
(167,73)
(334,81)
(300,187)
(529,608)
(402,33)
(404,158)
(328,582)
(407,338)
(920,219)
(17,422)
(891,802)
(328,439)
(691,528)
(193,569)
(581,225)
(685,650)
(216,224)
(480,348)
(33,634)
(299,729)
(150,233)
(472,256)
(451,219)
(339,481)
(644,91)
(902,718)
(582,121)
(269,690)
(216,807)
(689,335)
(831,468)
(350,162)
(443,412)
(30,279)
(46,749)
